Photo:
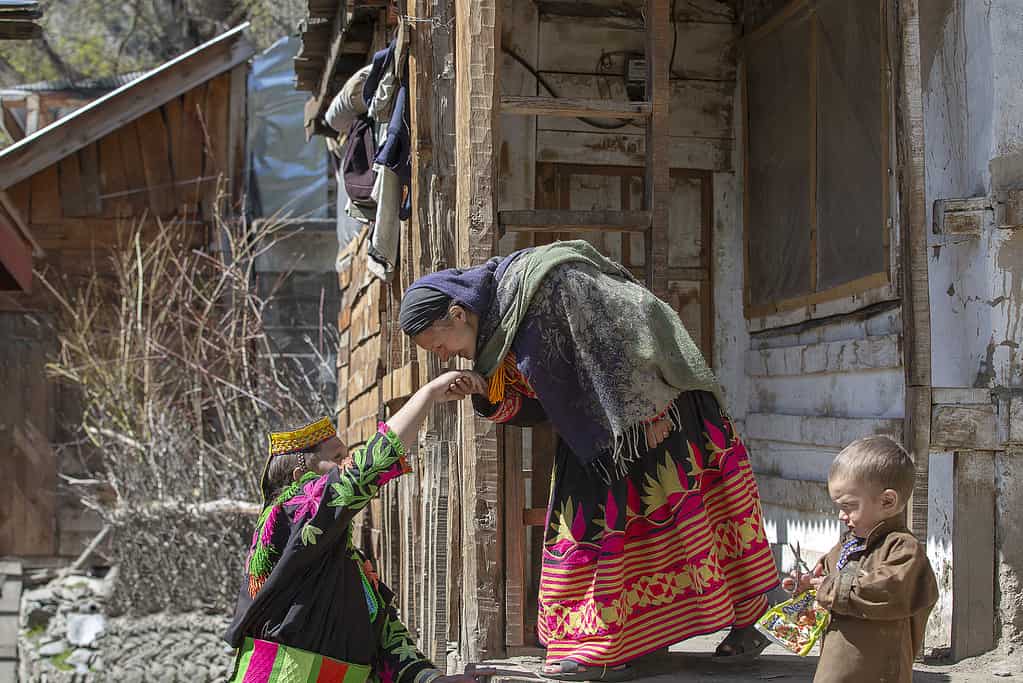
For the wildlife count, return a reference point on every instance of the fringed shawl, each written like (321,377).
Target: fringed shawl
(602,352)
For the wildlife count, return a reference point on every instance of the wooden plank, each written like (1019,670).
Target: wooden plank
(188,166)
(615,149)
(70,187)
(852,355)
(835,432)
(915,280)
(534,517)
(973,554)
(795,494)
(46,205)
(698,11)
(858,290)
(89,164)
(517,163)
(962,396)
(573,107)
(36,477)
(215,113)
(110,112)
(703,51)
(112,178)
(154,143)
(237,127)
(477,46)
(134,169)
(698,108)
(15,256)
(515,539)
(557,220)
(20,30)
(658,167)
(964,427)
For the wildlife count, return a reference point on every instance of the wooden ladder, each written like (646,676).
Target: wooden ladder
(652,221)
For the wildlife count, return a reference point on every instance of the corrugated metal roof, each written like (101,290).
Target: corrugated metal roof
(89,85)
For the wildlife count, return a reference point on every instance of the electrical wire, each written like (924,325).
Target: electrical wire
(542,81)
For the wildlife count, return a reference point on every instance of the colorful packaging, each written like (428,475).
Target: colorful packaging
(796,624)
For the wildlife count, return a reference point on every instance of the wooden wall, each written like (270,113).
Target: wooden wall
(425,530)
(162,166)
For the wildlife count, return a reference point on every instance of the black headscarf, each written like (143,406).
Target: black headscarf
(428,298)
(420,308)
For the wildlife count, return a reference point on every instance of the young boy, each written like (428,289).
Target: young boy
(311,609)
(877,583)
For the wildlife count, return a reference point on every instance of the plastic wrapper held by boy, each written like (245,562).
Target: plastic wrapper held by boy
(796,624)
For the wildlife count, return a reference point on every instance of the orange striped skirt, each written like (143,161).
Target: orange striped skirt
(674,549)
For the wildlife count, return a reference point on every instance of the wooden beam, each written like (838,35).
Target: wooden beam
(515,539)
(477,48)
(572,107)
(561,220)
(916,308)
(658,161)
(973,554)
(15,257)
(19,30)
(112,111)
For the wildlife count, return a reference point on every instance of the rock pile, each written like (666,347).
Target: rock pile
(66,637)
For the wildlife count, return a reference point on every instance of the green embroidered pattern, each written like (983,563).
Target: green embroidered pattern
(309,534)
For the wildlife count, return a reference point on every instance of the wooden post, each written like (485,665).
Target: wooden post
(477,46)
(658,160)
(973,554)
(915,298)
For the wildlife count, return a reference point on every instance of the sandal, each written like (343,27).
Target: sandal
(741,645)
(571,670)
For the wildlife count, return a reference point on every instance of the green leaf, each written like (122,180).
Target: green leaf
(309,534)
(342,496)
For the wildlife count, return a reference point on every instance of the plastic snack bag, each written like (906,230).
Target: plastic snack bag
(796,624)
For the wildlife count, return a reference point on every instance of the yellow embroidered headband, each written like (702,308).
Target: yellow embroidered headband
(301,439)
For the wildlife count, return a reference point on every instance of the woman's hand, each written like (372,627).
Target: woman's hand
(657,431)
(457,384)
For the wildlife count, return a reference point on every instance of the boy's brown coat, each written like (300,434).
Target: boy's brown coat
(879,605)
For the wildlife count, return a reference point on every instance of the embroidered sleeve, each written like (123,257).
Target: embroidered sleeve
(515,409)
(399,660)
(369,468)
(324,507)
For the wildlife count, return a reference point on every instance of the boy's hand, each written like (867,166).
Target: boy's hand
(797,582)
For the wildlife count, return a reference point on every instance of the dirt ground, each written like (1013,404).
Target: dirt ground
(691,661)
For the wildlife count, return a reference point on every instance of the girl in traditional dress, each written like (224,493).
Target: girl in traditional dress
(654,529)
(311,609)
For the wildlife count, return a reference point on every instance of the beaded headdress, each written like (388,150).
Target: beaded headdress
(262,554)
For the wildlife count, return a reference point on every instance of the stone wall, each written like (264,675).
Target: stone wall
(67,637)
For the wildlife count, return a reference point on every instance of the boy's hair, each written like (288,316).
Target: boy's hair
(282,466)
(877,460)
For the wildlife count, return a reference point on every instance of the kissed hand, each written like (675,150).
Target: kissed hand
(457,384)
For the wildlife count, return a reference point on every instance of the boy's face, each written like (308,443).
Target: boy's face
(861,506)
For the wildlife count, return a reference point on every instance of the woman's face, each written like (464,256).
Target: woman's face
(451,336)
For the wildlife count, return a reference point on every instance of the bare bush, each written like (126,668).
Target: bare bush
(178,382)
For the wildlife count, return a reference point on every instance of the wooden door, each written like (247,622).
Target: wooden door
(529,453)
(28,483)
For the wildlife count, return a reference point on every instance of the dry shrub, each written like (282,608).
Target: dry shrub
(179,385)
